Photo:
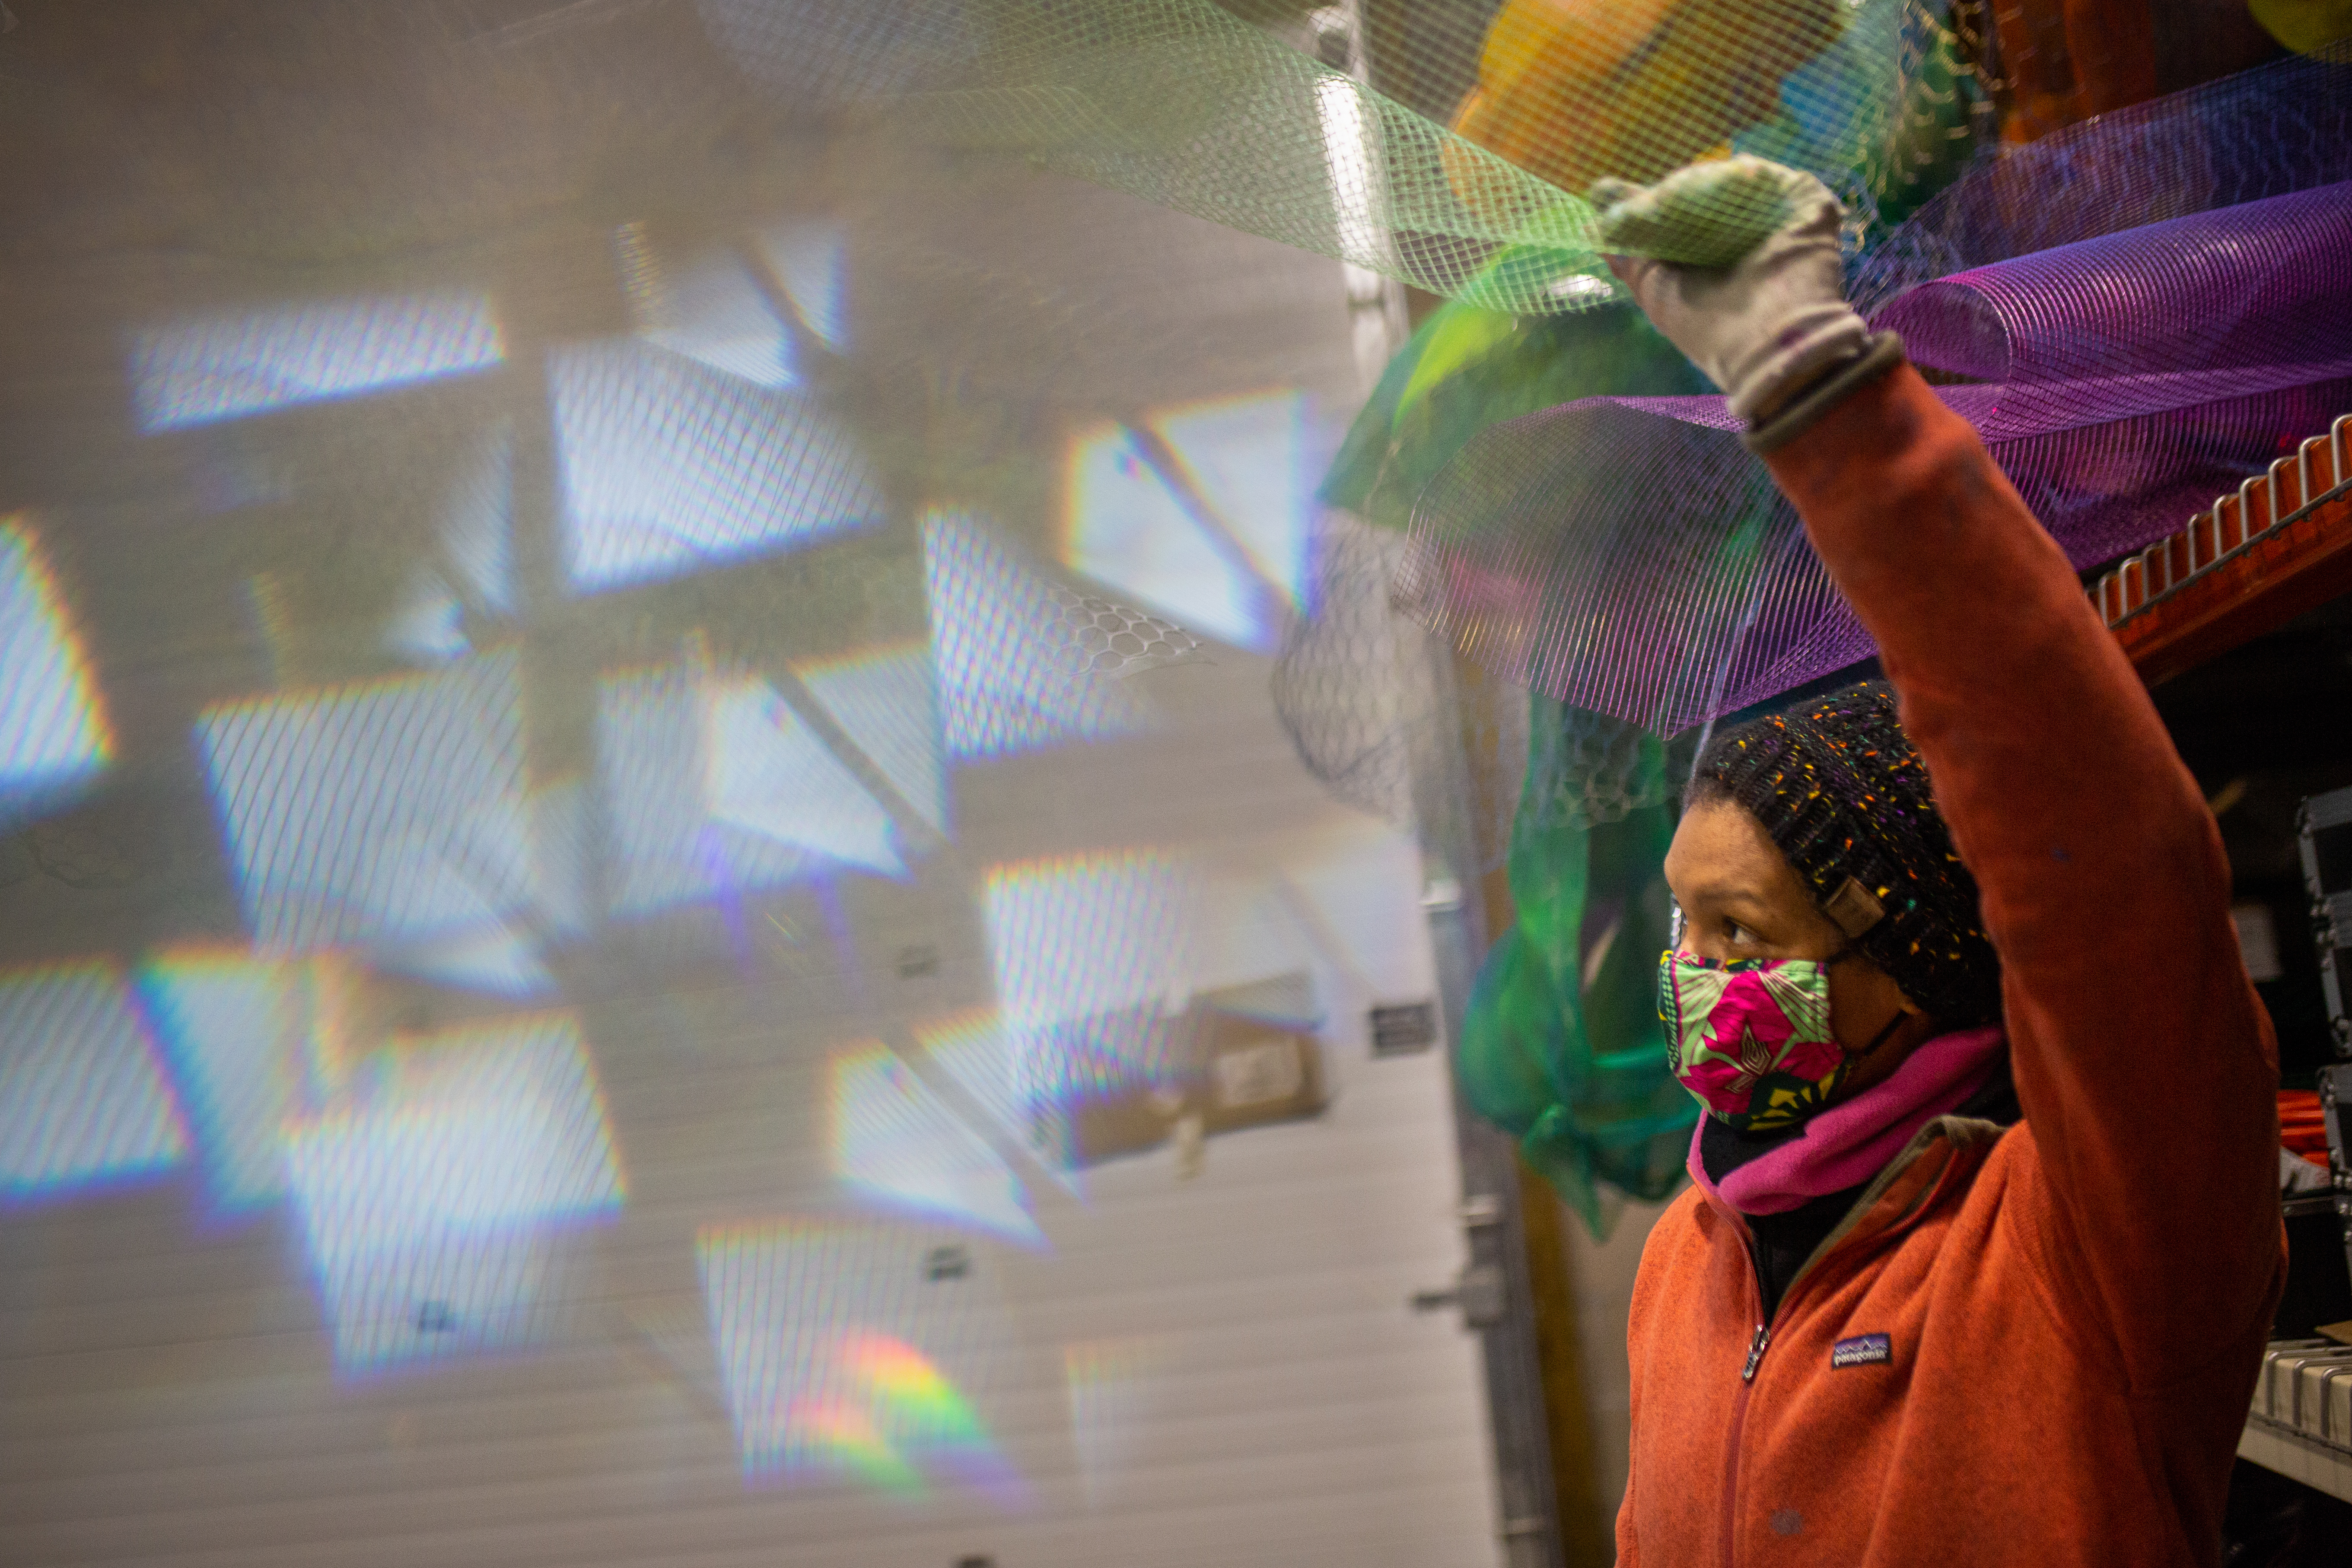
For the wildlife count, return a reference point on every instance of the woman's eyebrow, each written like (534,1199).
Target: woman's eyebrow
(1729,892)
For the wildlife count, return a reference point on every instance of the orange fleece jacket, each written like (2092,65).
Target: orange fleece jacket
(2073,1308)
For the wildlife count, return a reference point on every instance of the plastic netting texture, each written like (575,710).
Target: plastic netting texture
(1628,555)
(1183,104)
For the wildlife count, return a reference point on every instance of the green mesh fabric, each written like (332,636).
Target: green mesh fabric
(1180,104)
(1269,130)
(1467,368)
(1561,1045)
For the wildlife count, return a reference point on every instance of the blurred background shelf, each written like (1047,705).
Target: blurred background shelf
(2277,547)
(2292,1454)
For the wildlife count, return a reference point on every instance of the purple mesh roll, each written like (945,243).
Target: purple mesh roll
(2277,128)
(1628,556)
(2202,308)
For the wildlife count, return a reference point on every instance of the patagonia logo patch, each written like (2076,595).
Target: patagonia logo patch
(1864,1350)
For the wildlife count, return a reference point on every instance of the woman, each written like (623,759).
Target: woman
(1883,1327)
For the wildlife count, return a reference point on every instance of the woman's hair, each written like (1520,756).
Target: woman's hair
(1838,785)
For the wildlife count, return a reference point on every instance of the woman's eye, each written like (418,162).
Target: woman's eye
(1737,934)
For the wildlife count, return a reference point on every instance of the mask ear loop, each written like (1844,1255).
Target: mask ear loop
(1881,1037)
(1854,945)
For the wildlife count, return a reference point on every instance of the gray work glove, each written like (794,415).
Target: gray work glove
(1756,295)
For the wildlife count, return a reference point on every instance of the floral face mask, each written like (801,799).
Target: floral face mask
(1751,1040)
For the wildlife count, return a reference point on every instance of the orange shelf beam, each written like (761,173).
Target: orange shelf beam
(2278,546)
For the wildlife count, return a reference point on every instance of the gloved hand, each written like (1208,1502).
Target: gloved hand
(1755,294)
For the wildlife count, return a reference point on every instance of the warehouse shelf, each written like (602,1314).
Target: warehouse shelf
(2277,1447)
(2277,546)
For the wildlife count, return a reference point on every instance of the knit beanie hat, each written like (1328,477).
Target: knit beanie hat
(1838,785)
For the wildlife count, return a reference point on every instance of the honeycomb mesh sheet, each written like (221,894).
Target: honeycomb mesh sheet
(1347,684)
(1182,103)
(1359,690)
(1589,770)
(1098,637)
(1629,556)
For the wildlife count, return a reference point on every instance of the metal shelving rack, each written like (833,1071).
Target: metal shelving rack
(2278,545)
(2301,1423)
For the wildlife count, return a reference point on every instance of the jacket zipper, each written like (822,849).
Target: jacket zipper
(1757,1346)
(1761,1341)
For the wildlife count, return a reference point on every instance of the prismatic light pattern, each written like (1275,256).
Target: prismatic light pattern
(1032,1080)
(810,259)
(471,576)
(1218,534)
(1090,964)
(838,1355)
(669,466)
(887,700)
(976,1049)
(54,737)
(1128,529)
(390,814)
(232,363)
(710,311)
(766,771)
(884,1414)
(84,1102)
(664,848)
(1075,935)
(715,787)
(437,1194)
(896,1144)
(1249,459)
(235,1030)
(1008,678)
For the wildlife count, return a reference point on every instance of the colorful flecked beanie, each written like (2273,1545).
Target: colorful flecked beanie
(1841,789)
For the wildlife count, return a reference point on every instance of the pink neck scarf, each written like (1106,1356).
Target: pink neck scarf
(1852,1141)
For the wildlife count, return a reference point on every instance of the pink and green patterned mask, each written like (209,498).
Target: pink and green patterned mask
(1751,1040)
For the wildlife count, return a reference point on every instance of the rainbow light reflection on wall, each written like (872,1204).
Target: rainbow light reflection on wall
(976,1049)
(711,312)
(392,815)
(766,771)
(669,466)
(84,1102)
(1222,544)
(438,1194)
(1073,936)
(232,363)
(715,788)
(810,259)
(1006,681)
(1090,959)
(834,1349)
(887,700)
(896,1142)
(1033,1080)
(235,1030)
(54,737)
